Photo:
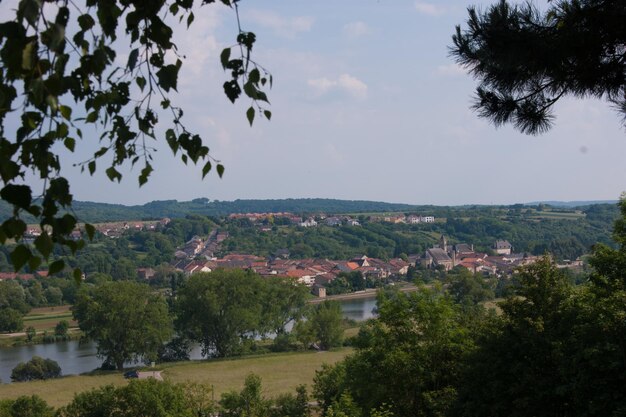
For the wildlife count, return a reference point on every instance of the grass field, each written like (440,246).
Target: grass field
(280,373)
(46,318)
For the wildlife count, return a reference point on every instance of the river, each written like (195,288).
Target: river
(75,358)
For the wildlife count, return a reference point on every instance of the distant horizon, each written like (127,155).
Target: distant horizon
(569,203)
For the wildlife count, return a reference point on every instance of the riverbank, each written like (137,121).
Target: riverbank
(280,372)
(368,293)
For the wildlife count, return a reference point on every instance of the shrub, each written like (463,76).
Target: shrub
(36,368)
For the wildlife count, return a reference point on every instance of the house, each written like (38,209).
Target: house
(412,219)
(353,222)
(332,221)
(502,247)
(427,219)
(310,222)
(318,291)
(145,273)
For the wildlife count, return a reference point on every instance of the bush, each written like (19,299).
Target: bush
(25,406)
(36,368)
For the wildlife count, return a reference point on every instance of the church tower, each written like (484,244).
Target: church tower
(443,243)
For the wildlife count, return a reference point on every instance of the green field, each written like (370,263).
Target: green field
(280,373)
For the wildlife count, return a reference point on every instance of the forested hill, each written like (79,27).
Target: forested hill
(103,212)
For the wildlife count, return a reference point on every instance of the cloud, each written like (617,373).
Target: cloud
(356,29)
(282,26)
(451,70)
(429,8)
(345,82)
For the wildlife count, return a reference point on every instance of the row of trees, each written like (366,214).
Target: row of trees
(226,312)
(155,398)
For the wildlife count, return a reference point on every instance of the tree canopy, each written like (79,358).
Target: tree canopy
(526,59)
(126,319)
(59,76)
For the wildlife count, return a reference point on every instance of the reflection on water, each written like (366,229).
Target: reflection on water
(75,358)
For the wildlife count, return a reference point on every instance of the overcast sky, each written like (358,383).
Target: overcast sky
(366,105)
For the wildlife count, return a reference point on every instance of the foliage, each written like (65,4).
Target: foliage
(468,288)
(30,333)
(223,309)
(25,406)
(248,402)
(406,362)
(557,349)
(59,58)
(176,350)
(10,320)
(527,59)
(323,326)
(126,320)
(140,397)
(61,329)
(36,368)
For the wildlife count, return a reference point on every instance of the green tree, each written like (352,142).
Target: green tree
(249,402)
(10,320)
(283,301)
(26,406)
(61,329)
(139,398)
(526,59)
(57,59)
(323,325)
(219,310)
(30,333)
(36,368)
(127,320)
(408,360)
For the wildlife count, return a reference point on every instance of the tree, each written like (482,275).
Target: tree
(25,406)
(59,58)
(323,325)
(30,333)
(526,60)
(10,320)
(61,329)
(249,402)
(408,359)
(139,398)
(126,319)
(219,310)
(36,368)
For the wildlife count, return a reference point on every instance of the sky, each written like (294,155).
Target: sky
(368,105)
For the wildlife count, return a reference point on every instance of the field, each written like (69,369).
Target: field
(280,373)
(42,319)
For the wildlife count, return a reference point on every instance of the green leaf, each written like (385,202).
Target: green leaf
(250,115)
(44,244)
(34,262)
(91,230)
(66,112)
(206,168)
(92,117)
(56,267)
(132,59)
(29,56)
(78,275)
(190,19)
(268,114)
(145,173)
(141,82)
(69,143)
(225,57)
(20,255)
(14,228)
(92,167)
(220,170)
(17,195)
(168,77)
(113,174)
(170,137)
(254,76)
(86,22)
(232,90)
